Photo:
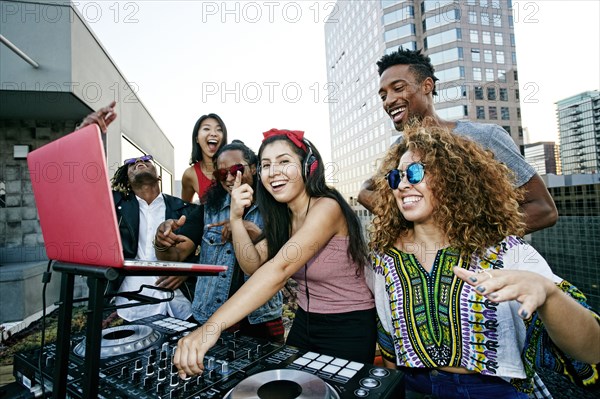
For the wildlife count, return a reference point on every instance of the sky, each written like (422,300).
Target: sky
(261,64)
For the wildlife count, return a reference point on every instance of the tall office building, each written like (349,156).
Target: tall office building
(471,44)
(543,156)
(579,130)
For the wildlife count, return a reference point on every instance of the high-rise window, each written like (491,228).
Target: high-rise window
(503,94)
(478,93)
(501,75)
(498,40)
(486,37)
(491,93)
(500,57)
(441,19)
(497,20)
(493,112)
(504,113)
(399,32)
(487,55)
(449,55)
(474,36)
(399,15)
(480,111)
(472,17)
(489,74)
(438,39)
(477,74)
(485,18)
(475,55)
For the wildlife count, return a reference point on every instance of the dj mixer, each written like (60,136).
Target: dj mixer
(136,362)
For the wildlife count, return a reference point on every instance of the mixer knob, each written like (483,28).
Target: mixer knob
(187,386)
(224,367)
(162,363)
(175,393)
(210,362)
(221,341)
(162,374)
(210,375)
(153,352)
(173,369)
(163,355)
(236,334)
(165,347)
(135,377)
(174,380)
(160,387)
(138,364)
(249,354)
(258,349)
(231,354)
(50,361)
(147,382)
(150,369)
(151,358)
(124,371)
(199,381)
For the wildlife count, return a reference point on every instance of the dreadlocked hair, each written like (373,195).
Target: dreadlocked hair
(120,181)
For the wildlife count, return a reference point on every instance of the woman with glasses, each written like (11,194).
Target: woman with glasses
(312,235)
(208,136)
(217,247)
(466,308)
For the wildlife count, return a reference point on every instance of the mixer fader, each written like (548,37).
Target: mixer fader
(136,362)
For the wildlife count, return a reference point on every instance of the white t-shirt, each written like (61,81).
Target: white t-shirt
(151,216)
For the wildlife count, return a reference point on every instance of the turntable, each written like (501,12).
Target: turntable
(136,362)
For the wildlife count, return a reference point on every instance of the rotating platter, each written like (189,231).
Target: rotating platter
(282,384)
(123,339)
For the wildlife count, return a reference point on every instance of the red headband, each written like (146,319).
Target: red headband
(295,136)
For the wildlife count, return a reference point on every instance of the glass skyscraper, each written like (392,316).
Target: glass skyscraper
(579,129)
(471,44)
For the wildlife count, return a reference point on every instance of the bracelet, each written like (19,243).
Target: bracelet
(159,249)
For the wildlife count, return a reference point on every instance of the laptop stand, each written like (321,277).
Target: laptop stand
(98,279)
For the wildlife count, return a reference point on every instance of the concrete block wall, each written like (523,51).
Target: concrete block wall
(22,255)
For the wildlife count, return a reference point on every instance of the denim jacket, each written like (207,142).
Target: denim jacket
(212,292)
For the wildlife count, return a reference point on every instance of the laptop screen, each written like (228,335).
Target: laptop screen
(72,192)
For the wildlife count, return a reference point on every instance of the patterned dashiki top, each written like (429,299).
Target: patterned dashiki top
(434,319)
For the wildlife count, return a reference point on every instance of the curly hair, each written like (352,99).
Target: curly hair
(418,63)
(120,181)
(476,203)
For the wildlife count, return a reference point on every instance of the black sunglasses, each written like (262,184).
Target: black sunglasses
(414,174)
(221,174)
(144,158)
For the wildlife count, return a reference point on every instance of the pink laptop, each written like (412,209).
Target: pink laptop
(75,206)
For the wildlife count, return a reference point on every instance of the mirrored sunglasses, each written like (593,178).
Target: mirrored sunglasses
(414,174)
(144,158)
(221,174)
